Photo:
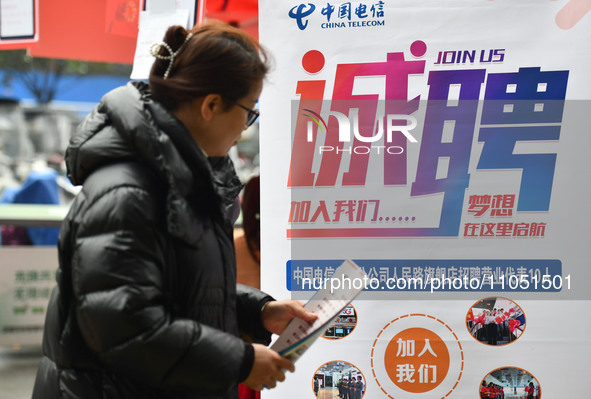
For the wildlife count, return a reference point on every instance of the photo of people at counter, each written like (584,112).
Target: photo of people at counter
(343,325)
(334,380)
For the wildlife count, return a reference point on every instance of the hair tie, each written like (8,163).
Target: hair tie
(156,47)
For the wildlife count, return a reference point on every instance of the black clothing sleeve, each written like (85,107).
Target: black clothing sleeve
(251,302)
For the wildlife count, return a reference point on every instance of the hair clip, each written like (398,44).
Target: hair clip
(155,49)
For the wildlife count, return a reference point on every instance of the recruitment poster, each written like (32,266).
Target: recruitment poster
(444,148)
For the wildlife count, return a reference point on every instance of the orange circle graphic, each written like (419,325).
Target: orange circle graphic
(417,360)
(388,357)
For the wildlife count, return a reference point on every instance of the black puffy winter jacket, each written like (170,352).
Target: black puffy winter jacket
(146,304)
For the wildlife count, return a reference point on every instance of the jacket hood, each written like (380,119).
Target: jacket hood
(122,128)
(128,125)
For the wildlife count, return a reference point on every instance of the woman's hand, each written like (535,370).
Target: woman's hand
(277,314)
(268,368)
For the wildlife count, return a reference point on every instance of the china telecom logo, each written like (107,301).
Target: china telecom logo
(345,15)
(300,12)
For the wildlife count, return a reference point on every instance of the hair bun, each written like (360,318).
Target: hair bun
(163,51)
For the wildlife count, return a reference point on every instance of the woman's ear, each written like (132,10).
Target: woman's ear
(212,104)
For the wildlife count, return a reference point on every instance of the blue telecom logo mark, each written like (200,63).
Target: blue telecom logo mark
(300,12)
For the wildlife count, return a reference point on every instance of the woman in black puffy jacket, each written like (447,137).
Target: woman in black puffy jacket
(146,304)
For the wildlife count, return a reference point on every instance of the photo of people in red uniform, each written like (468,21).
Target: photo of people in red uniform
(510,383)
(495,321)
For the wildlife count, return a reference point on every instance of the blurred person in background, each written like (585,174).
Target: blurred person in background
(247,244)
(248,240)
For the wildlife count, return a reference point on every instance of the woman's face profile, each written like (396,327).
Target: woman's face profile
(232,122)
